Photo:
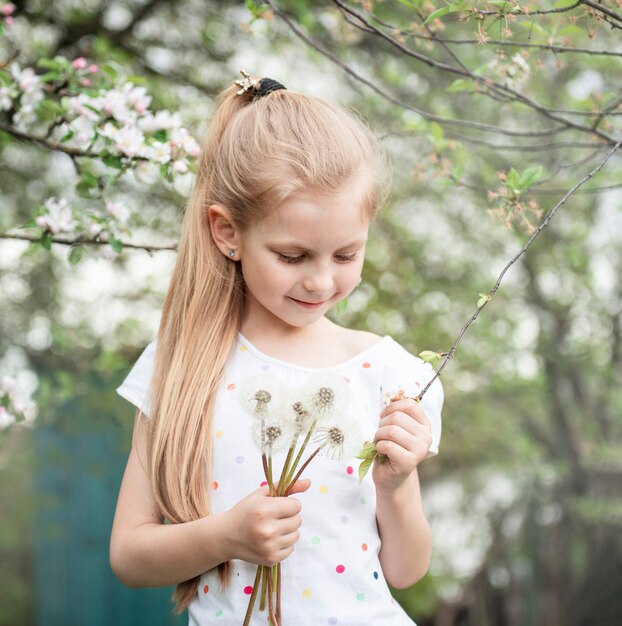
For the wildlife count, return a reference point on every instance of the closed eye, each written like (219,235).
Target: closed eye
(345,258)
(290,259)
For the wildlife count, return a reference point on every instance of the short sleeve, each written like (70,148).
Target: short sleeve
(136,386)
(410,374)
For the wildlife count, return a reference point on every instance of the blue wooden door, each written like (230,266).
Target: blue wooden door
(81,454)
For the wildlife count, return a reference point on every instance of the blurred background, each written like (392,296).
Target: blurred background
(490,113)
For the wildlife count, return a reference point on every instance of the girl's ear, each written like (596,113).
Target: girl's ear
(224,231)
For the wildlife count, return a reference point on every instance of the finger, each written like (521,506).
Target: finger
(285,507)
(398,435)
(405,421)
(298,487)
(409,407)
(398,455)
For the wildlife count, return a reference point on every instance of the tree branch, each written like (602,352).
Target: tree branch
(425,114)
(522,251)
(509,92)
(80,241)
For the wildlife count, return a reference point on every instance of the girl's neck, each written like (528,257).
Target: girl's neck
(322,344)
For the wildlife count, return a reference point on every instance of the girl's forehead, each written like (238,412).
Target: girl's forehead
(329,214)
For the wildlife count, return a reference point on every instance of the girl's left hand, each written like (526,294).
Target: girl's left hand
(404,436)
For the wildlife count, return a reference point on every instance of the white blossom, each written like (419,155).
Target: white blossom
(6,98)
(6,419)
(114,103)
(158,151)
(26,79)
(25,117)
(130,140)
(78,105)
(7,384)
(83,128)
(59,217)
(118,212)
(162,120)
(137,97)
(182,139)
(180,166)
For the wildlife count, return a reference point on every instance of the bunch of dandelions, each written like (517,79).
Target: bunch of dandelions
(293,420)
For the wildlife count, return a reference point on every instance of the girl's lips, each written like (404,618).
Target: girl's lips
(309,305)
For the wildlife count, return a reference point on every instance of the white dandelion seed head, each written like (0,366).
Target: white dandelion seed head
(297,420)
(260,395)
(341,437)
(325,395)
(270,434)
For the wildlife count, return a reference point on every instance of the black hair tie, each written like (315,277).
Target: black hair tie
(258,88)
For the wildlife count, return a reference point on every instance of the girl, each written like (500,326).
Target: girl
(273,237)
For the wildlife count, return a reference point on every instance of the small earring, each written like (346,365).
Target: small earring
(231,253)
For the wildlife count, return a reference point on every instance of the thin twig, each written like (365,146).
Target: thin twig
(390,98)
(509,92)
(522,251)
(79,241)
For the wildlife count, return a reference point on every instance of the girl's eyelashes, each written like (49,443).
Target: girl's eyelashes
(290,259)
(346,258)
(340,258)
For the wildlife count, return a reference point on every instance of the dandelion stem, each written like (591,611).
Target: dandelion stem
(264,587)
(288,480)
(267,473)
(273,619)
(304,465)
(251,602)
(278,592)
(285,469)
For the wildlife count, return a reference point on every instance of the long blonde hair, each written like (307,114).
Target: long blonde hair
(255,155)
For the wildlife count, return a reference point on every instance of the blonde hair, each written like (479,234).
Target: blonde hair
(255,155)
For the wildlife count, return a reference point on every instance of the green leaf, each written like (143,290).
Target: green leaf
(46,240)
(452,8)
(369,449)
(116,244)
(160,135)
(364,468)
(89,180)
(113,161)
(68,136)
(56,64)
(49,110)
(431,357)
(460,84)
(562,4)
(530,176)
(76,253)
(341,306)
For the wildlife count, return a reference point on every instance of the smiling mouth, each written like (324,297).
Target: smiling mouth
(309,305)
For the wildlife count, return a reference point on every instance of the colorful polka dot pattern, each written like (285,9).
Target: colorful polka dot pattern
(353,553)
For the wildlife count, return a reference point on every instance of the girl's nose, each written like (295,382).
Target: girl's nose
(319,280)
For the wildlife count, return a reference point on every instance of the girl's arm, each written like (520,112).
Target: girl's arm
(145,552)
(404,436)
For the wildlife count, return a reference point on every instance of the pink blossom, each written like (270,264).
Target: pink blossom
(93,68)
(85,82)
(9,20)
(7,9)
(79,64)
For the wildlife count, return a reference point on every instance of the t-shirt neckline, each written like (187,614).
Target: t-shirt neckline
(304,368)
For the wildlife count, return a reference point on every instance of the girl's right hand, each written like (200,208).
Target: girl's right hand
(264,529)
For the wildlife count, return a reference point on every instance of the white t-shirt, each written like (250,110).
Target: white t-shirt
(334,574)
